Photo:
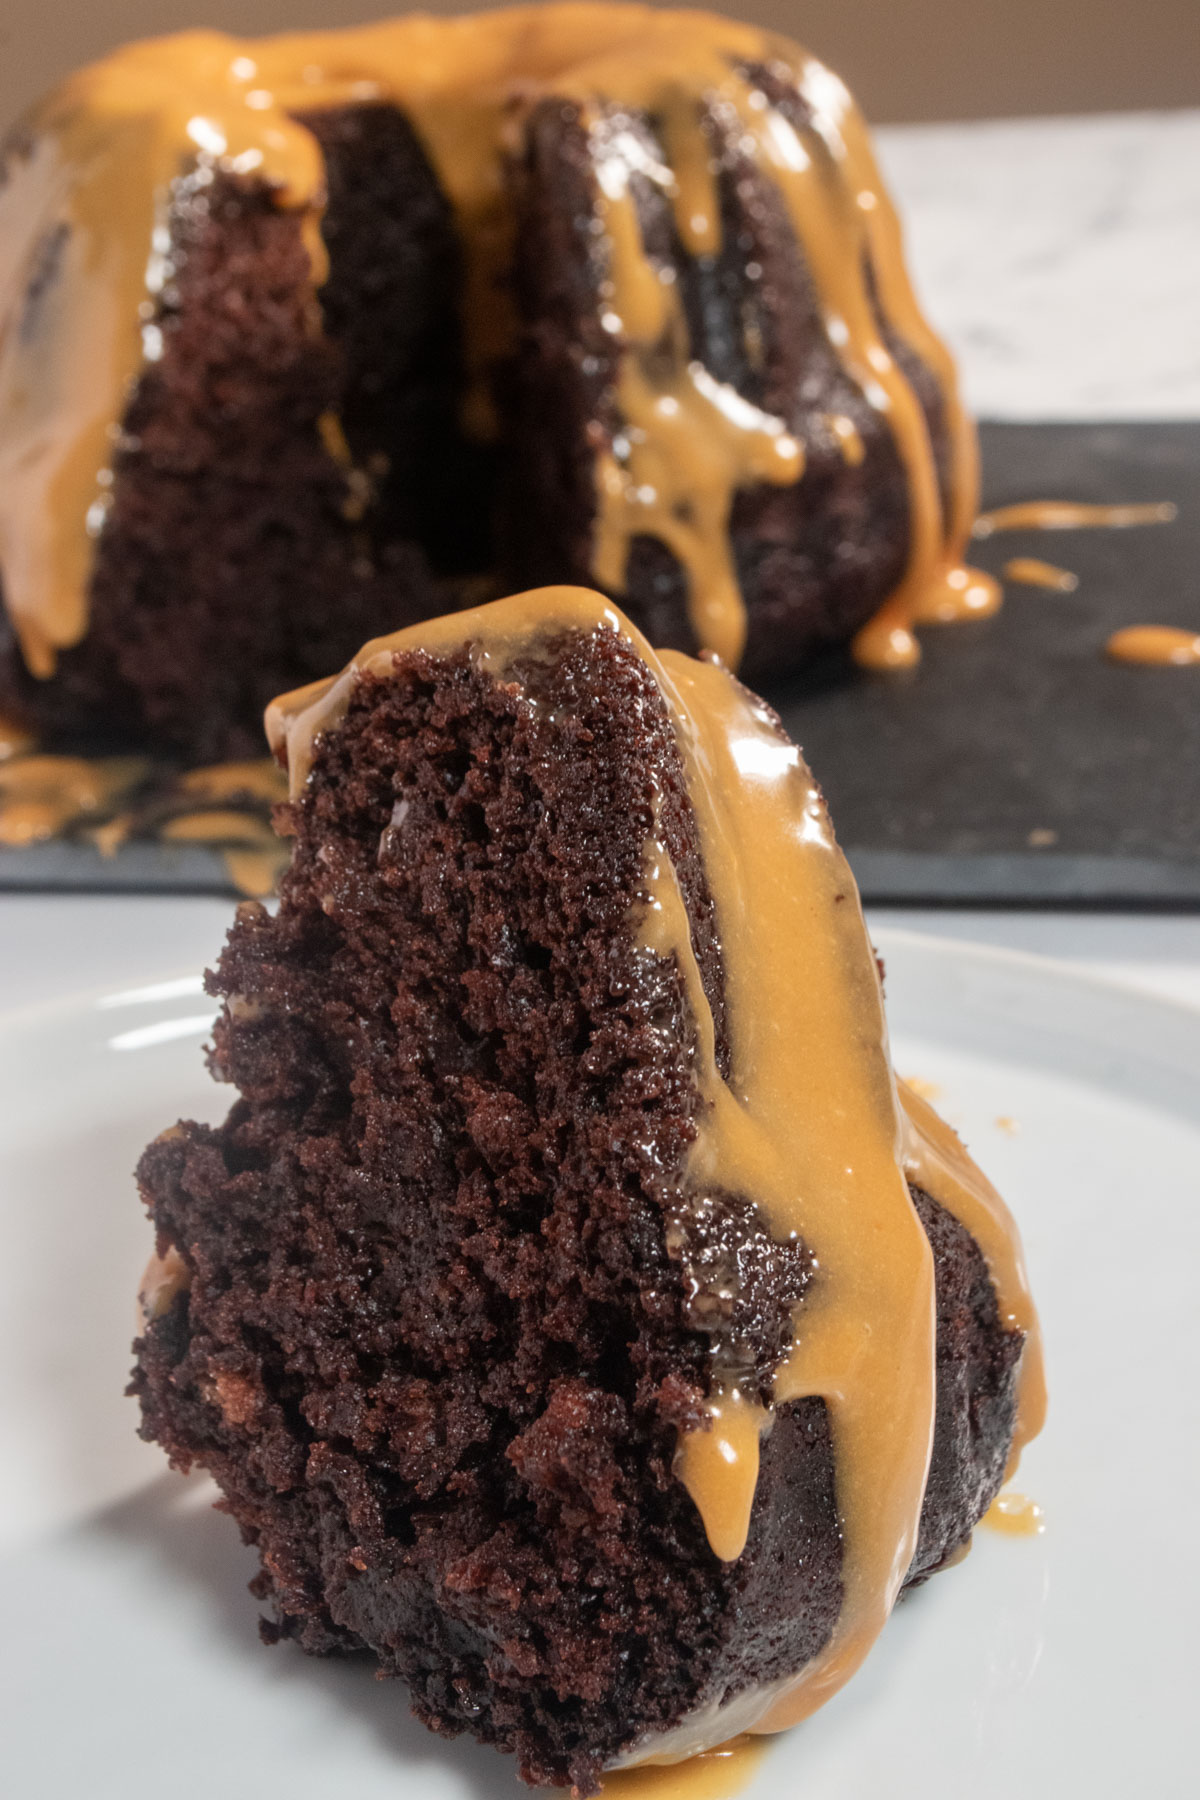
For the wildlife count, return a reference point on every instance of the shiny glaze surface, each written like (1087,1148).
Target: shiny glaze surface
(1033,572)
(1155,646)
(1071,515)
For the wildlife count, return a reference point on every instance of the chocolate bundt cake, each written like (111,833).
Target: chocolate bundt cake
(572,1309)
(306,335)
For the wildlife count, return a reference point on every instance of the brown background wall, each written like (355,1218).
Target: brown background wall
(906,59)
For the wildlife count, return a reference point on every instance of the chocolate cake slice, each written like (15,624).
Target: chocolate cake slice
(572,1311)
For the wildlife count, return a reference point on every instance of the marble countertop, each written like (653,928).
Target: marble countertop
(1061,258)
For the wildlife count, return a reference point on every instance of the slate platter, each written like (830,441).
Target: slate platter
(1011,726)
(1018,726)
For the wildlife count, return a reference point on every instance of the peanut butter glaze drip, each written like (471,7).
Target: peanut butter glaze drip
(164,1277)
(935,1160)
(810,1124)
(1014,1515)
(41,794)
(84,243)
(1072,515)
(1033,572)
(1155,646)
(712,1775)
(14,739)
(107,801)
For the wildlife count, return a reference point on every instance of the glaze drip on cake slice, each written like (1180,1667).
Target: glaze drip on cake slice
(571,1310)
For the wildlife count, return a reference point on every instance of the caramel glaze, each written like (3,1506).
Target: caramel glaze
(712,1775)
(1071,515)
(1033,572)
(810,1123)
(849,440)
(1157,646)
(109,800)
(40,795)
(1015,1515)
(163,1278)
(85,255)
(218,784)
(14,739)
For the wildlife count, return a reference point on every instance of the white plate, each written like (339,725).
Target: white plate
(1041,1668)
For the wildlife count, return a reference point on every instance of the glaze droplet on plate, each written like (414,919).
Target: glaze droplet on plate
(1015,1515)
(1155,646)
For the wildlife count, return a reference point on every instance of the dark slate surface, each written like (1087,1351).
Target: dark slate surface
(1018,724)
(138,868)
(1012,725)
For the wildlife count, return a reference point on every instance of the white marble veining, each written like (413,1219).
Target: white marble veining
(1060,258)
